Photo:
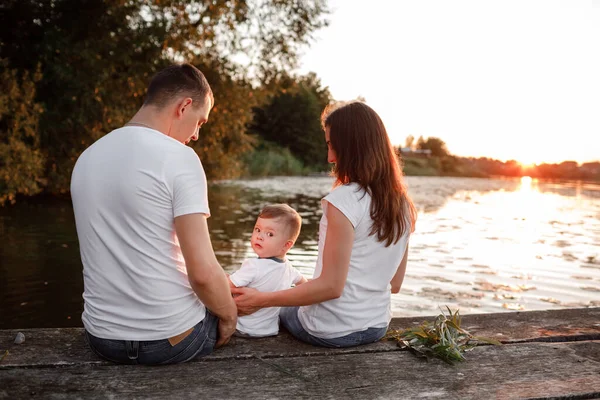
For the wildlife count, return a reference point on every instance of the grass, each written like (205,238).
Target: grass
(419,167)
(443,338)
(269,162)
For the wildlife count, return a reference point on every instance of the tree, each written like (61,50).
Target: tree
(436,145)
(410,142)
(21,160)
(224,140)
(96,58)
(291,118)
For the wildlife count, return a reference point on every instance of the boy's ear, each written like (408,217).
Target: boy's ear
(288,245)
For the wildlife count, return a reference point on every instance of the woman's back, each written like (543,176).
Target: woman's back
(365,301)
(363,238)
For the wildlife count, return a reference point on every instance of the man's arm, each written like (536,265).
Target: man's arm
(206,276)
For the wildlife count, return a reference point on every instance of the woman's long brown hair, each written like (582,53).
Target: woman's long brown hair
(366,156)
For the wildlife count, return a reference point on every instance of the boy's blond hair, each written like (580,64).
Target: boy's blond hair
(287,214)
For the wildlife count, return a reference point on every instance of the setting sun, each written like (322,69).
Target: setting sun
(506,100)
(527,164)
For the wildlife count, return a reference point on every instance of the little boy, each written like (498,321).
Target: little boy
(275,232)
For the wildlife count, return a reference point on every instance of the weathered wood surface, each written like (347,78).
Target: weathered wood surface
(56,363)
(47,347)
(527,370)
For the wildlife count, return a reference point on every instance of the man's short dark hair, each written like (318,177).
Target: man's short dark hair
(178,80)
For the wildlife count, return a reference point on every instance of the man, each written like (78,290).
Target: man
(154,292)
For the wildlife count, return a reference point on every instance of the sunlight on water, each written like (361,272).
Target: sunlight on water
(482,245)
(516,248)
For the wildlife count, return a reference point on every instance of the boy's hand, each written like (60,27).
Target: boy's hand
(226,329)
(247,300)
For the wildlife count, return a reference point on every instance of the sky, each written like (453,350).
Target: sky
(505,79)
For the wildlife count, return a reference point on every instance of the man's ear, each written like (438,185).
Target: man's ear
(184,106)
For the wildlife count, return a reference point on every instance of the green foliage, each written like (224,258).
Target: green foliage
(444,338)
(449,165)
(223,142)
(273,161)
(96,58)
(291,118)
(21,160)
(418,167)
(436,145)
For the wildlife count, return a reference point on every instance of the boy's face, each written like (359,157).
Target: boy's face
(270,238)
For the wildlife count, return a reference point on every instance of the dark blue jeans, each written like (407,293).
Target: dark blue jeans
(200,342)
(289,319)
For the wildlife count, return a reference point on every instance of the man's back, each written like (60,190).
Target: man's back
(126,190)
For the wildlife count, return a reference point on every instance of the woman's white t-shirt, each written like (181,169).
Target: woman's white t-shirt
(365,301)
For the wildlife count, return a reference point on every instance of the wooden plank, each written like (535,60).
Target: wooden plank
(512,327)
(515,371)
(45,347)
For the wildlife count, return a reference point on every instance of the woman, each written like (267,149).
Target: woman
(363,239)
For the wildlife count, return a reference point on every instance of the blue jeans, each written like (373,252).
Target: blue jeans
(289,319)
(200,342)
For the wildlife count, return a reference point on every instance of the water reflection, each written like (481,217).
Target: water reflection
(484,245)
(518,246)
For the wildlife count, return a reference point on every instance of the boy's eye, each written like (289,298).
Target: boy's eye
(256,230)
(270,234)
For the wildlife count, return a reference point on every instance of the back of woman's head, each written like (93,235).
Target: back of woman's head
(365,155)
(360,141)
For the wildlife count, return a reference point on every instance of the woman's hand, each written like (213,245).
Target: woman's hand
(248,300)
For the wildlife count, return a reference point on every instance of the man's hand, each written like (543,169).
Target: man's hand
(226,329)
(248,300)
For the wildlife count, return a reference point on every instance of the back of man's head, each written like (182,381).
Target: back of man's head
(175,81)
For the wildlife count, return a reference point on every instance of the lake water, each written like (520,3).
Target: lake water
(480,245)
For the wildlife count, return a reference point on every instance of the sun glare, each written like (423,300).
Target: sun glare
(526,165)
(525,183)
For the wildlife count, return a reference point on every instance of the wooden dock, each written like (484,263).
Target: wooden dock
(545,355)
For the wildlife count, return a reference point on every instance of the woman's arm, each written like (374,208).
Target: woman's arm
(329,285)
(399,275)
(301,281)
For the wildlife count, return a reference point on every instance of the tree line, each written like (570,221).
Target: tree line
(73,70)
(438,161)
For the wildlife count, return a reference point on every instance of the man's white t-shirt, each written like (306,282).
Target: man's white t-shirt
(127,188)
(265,275)
(365,301)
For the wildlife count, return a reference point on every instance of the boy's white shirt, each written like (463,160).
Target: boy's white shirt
(265,275)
